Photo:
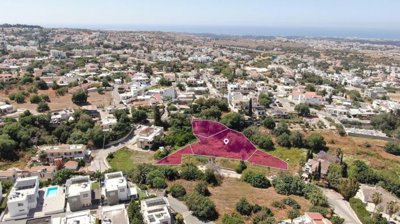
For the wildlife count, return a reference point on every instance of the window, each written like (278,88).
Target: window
(85,195)
(20,204)
(122,190)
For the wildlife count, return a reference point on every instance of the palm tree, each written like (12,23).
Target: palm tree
(392,208)
(376,199)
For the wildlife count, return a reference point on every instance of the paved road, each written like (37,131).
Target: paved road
(181,208)
(99,162)
(341,207)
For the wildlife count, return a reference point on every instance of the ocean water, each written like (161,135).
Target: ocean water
(372,33)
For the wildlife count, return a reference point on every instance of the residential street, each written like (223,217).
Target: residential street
(341,207)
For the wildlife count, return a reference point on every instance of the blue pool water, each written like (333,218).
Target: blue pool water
(51,191)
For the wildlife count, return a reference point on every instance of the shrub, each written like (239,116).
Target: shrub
(284,140)
(233,218)
(291,202)
(264,216)
(201,206)
(244,207)
(42,107)
(159,182)
(320,209)
(201,188)
(35,99)
(269,123)
(256,179)
(392,148)
(241,167)
(211,178)
(190,172)
(278,204)
(316,142)
(177,191)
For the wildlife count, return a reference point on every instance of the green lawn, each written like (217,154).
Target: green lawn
(125,159)
(292,156)
(359,208)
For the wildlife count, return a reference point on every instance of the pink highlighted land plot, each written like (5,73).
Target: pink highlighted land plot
(217,140)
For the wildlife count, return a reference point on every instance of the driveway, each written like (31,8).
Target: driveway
(341,207)
(181,208)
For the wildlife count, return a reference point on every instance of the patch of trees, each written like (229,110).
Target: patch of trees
(261,214)
(202,207)
(234,121)
(287,184)
(302,109)
(256,179)
(389,123)
(134,213)
(80,97)
(177,191)
(211,108)
(265,99)
(261,140)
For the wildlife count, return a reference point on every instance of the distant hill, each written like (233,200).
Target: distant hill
(6,25)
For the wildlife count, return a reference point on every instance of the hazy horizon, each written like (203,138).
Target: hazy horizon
(325,18)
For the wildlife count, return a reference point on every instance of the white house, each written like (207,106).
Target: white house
(116,188)
(75,151)
(155,211)
(23,196)
(147,135)
(79,193)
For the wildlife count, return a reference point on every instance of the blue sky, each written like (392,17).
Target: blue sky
(377,14)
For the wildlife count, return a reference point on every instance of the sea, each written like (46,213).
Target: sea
(360,33)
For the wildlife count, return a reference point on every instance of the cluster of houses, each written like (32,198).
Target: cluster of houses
(73,202)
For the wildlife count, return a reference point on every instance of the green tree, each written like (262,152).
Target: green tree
(263,141)
(211,177)
(35,99)
(201,206)
(190,172)
(348,188)
(256,179)
(8,148)
(134,214)
(392,148)
(138,115)
(334,175)
(337,220)
(201,188)
(157,116)
(297,139)
(244,207)
(316,142)
(269,123)
(177,191)
(302,109)
(292,214)
(241,167)
(284,140)
(80,97)
(281,128)
(265,100)
(43,107)
(234,120)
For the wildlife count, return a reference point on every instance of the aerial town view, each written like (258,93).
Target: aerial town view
(189,112)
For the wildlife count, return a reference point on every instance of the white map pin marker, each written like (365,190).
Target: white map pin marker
(226,141)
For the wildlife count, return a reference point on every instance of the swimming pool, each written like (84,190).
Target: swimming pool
(51,191)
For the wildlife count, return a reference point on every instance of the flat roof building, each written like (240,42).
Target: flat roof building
(79,193)
(155,211)
(23,196)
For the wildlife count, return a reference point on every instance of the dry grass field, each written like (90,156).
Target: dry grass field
(232,190)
